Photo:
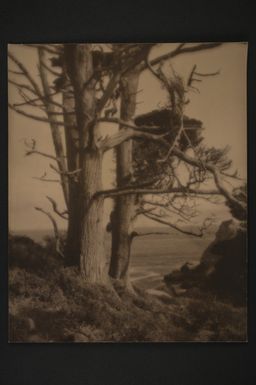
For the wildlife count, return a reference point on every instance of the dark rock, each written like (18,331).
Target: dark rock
(222,268)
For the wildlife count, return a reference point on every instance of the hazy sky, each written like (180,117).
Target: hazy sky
(221,105)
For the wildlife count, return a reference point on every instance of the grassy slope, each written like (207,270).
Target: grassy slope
(51,303)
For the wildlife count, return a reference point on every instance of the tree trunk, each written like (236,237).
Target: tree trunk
(121,226)
(55,128)
(92,256)
(124,210)
(80,70)
(73,241)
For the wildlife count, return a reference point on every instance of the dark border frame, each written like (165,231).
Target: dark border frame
(127,364)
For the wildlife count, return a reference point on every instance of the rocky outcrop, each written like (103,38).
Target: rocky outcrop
(222,268)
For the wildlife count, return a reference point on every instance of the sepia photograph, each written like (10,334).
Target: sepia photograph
(127,192)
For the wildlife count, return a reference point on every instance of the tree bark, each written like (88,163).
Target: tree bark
(78,59)
(73,241)
(124,209)
(92,256)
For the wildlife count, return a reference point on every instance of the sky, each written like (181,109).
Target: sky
(220,104)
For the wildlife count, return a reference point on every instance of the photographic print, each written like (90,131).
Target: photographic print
(127,192)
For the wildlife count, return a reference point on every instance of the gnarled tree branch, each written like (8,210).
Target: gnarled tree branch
(62,214)
(56,231)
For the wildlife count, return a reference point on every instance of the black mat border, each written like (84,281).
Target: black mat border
(128,364)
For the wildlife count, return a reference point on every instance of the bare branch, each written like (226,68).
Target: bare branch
(128,124)
(51,50)
(166,206)
(177,138)
(42,154)
(44,179)
(26,73)
(23,86)
(60,113)
(136,234)
(173,226)
(216,174)
(192,79)
(31,116)
(181,49)
(142,211)
(234,175)
(32,150)
(43,98)
(56,231)
(72,173)
(158,74)
(154,191)
(15,72)
(207,74)
(125,134)
(62,214)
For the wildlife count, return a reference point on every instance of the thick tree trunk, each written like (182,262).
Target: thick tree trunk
(80,70)
(92,256)
(121,237)
(124,209)
(73,241)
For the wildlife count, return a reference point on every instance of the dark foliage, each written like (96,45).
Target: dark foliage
(24,253)
(147,154)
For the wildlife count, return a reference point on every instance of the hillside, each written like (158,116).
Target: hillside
(51,303)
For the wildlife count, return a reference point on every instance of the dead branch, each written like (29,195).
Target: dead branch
(154,191)
(207,73)
(26,74)
(193,73)
(31,116)
(157,73)
(166,206)
(181,49)
(62,214)
(174,226)
(54,51)
(56,231)
(43,98)
(128,124)
(15,72)
(21,86)
(61,113)
(68,173)
(136,234)
(32,150)
(216,174)
(125,134)
(44,179)
(142,211)
(175,142)
(234,175)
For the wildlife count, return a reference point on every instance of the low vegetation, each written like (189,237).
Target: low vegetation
(51,303)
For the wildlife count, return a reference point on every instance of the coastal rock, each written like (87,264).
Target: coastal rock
(222,268)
